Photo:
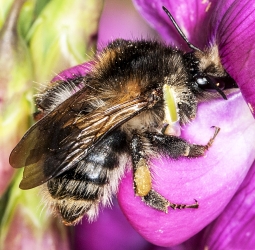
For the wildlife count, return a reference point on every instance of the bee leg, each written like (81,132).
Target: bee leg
(199,150)
(154,199)
(172,146)
(142,177)
(176,147)
(143,180)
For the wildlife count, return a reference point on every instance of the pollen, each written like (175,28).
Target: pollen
(142,178)
(170,104)
(171,119)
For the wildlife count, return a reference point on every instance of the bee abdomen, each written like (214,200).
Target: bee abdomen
(76,190)
(72,211)
(92,181)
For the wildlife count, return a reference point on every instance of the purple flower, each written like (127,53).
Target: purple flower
(215,179)
(222,181)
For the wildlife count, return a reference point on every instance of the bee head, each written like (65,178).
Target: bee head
(206,79)
(207,75)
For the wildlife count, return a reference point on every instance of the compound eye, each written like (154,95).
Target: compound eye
(209,83)
(202,81)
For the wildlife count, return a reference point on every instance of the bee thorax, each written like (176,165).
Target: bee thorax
(150,120)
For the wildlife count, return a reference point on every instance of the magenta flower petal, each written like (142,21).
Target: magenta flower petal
(73,72)
(234,28)
(190,15)
(212,180)
(234,229)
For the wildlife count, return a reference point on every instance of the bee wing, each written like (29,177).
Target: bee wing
(64,136)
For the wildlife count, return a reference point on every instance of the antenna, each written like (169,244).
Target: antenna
(179,30)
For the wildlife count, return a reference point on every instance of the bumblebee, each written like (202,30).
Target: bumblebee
(129,107)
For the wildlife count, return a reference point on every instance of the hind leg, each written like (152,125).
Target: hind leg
(172,146)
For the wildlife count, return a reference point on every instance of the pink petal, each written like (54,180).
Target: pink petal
(234,229)
(212,180)
(74,72)
(6,171)
(234,28)
(191,16)
(110,232)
